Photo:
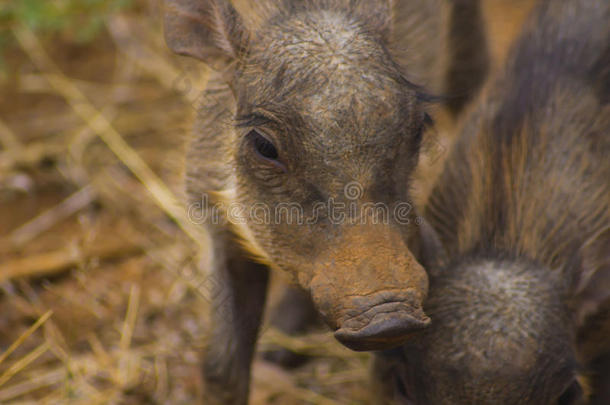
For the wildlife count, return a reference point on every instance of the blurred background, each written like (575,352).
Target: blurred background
(101,299)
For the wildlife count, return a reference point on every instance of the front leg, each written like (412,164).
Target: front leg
(238,300)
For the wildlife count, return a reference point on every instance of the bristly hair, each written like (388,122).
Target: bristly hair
(372,18)
(529,175)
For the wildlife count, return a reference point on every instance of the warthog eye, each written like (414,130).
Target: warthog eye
(262,145)
(264,149)
(572,395)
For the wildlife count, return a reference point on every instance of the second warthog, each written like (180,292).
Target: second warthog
(520,303)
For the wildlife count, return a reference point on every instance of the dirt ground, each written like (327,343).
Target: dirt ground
(101,300)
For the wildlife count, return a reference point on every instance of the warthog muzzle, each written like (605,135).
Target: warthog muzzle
(370,290)
(382,325)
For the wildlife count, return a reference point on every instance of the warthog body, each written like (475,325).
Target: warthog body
(520,303)
(308,136)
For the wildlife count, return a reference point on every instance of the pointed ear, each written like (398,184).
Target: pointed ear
(410,22)
(593,289)
(377,15)
(392,18)
(415,34)
(209,30)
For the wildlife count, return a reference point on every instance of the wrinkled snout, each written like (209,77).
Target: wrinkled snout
(370,290)
(381,321)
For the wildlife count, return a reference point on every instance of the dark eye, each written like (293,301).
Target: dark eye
(262,145)
(572,395)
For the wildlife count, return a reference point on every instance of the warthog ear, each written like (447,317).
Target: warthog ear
(378,15)
(209,30)
(593,289)
(414,32)
(393,19)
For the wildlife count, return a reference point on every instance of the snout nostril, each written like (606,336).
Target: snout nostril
(384,331)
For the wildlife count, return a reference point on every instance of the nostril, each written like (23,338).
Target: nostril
(384,331)
(373,314)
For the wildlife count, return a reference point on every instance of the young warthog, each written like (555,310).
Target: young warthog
(307,137)
(520,303)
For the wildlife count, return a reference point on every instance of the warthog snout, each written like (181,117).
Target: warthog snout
(370,290)
(381,321)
